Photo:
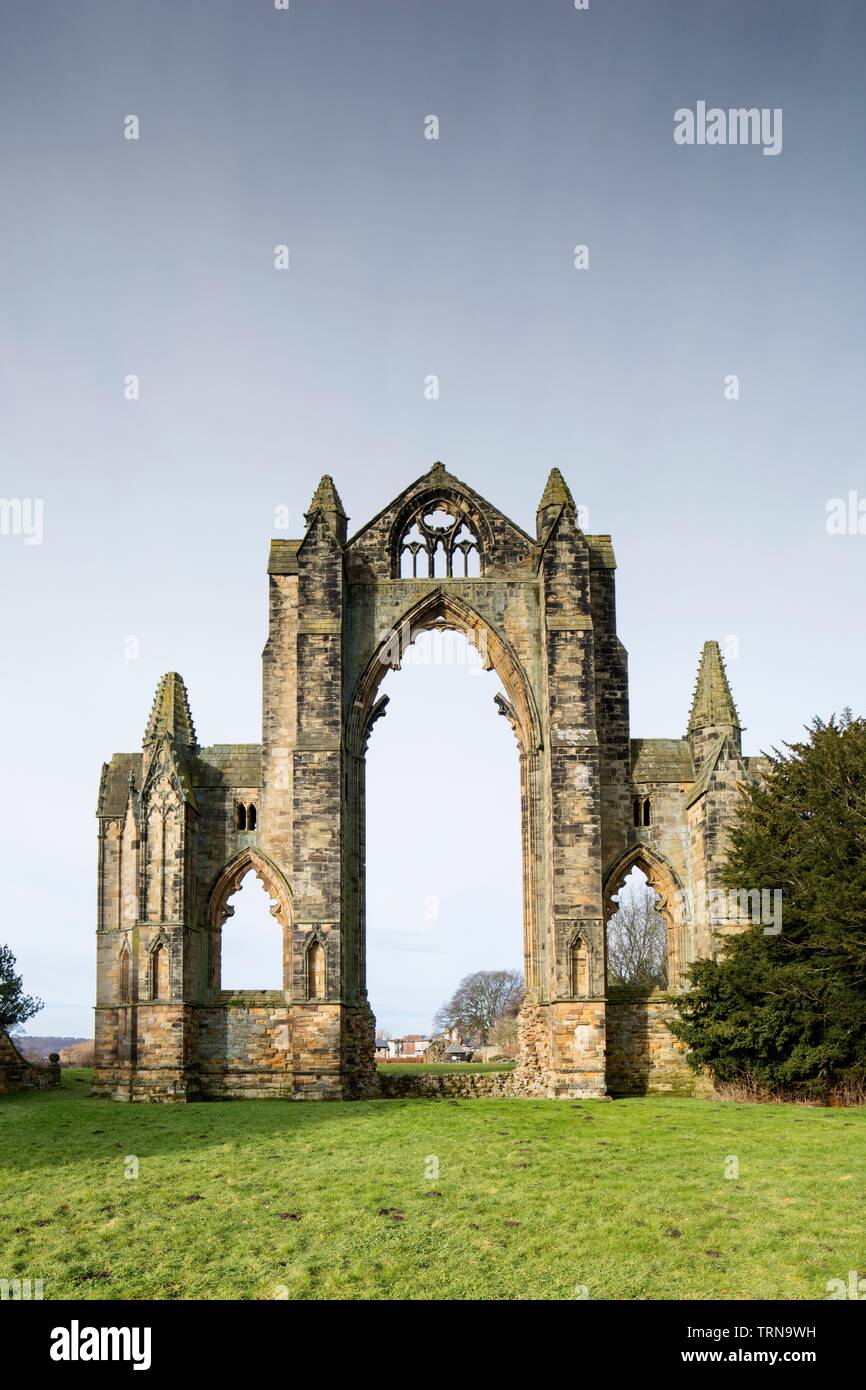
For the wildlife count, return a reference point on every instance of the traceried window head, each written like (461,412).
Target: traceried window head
(440,542)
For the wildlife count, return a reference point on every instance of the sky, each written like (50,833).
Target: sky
(151,503)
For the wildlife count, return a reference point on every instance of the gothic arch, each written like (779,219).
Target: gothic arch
(217,909)
(672,903)
(443,608)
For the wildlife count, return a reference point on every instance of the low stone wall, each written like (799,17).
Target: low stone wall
(643,1056)
(469,1084)
(17,1074)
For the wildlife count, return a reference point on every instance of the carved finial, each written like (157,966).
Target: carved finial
(326,499)
(170,713)
(713,704)
(556,495)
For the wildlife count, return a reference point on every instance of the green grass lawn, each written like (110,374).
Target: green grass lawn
(263,1199)
(442,1068)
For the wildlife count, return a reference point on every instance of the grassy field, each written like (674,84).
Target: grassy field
(530,1199)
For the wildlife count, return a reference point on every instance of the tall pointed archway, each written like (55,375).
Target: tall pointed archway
(440,610)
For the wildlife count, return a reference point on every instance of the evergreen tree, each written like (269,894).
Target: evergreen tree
(788,1011)
(15,1006)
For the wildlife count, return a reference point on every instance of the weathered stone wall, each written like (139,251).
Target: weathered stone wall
(244,1044)
(17,1074)
(468,1085)
(643,1056)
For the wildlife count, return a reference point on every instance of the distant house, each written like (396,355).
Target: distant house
(456,1047)
(411,1048)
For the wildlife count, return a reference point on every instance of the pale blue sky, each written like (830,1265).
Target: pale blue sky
(411,257)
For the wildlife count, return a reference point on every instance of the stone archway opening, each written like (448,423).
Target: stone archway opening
(251,940)
(442,830)
(438,611)
(637,936)
(248,915)
(646,930)
(650,935)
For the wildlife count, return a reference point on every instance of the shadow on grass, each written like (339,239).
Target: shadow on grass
(42,1129)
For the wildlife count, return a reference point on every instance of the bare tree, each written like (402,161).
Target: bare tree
(637,938)
(480,1000)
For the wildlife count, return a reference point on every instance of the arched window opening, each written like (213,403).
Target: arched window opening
(647,813)
(414,546)
(467,561)
(252,940)
(636,810)
(160,973)
(252,816)
(439,542)
(579,968)
(124,975)
(637,946)
(242,816)
(316,966)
